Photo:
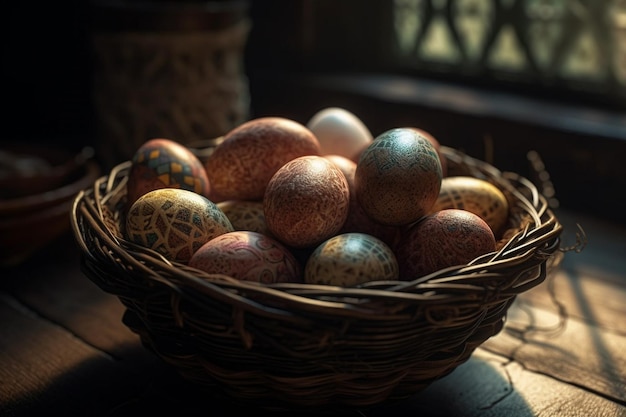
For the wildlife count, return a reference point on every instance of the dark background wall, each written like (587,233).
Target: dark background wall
(46,73)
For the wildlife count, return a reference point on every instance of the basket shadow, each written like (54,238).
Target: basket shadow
(475,387)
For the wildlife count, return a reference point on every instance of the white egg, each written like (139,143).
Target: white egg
(340,132)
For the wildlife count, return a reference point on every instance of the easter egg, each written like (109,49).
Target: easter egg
(248,256)
(306,201)
(175,222)
(443,239)
(245,215)
(437,145)
(340,132)
(398,177)
(350,259)
(240,167)
(164,163)
(476,195)
(357,220)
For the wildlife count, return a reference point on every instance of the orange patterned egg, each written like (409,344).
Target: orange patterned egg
(164,163)
(245,215)
(476,195)
(398,177)
(306,201)
(248,256)
(446,238)
(350,259)
(175,222)
(241,166)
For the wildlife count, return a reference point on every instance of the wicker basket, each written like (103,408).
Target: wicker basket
(296,346)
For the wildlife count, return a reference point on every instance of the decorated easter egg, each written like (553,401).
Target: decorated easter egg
(248,256)
(164,163)
(306,201)
(398,177)
(245,215)
(437,145)
(476,195)
(443,239)
(240,167)
(357,220)
(175,222)
(350,259)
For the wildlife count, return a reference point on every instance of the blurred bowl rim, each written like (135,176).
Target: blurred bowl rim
(86,174)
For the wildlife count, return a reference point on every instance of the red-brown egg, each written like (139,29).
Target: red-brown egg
(357,220)
(350,259)
(175,222)
(243,163)
(398,177)
(165,163)
(306,201)
(443,239)
(248,256)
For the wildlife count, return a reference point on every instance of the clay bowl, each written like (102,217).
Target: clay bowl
(34,208)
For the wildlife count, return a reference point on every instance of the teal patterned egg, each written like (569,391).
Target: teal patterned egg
(398,177)
(351,259)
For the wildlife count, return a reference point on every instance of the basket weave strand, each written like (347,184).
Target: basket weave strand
(313,346)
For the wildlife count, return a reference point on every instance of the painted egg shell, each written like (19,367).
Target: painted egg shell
(446,238)
(175,222)
(476,195)
(306,201)
(437,146)
(350,259)
(245,215)
(164,163)
(248,256)
(340,132)
(357,220)
(398,177)
(243,163)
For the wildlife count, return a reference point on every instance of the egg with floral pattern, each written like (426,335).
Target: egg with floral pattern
(248,256)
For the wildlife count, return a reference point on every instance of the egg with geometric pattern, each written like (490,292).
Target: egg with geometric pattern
(351,259)
(245,215)
(175,222)
(165,163)
(476,195)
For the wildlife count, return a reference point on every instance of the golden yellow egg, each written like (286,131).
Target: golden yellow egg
(477,196)
(175,222)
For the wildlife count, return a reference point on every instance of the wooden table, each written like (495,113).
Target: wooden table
(65,351)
